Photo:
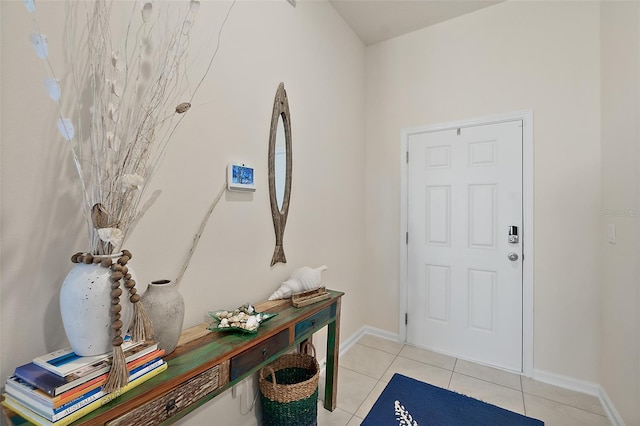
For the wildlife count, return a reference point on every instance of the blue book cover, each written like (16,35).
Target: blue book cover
(43,379)
(37,419)
(54,414)
(54,384)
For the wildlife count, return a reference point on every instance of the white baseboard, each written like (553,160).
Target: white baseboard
(383,334)
(372,331)
(582,386)
(567,382)
(346,344)
(610,409)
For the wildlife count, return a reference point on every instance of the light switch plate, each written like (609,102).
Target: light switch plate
(611,233)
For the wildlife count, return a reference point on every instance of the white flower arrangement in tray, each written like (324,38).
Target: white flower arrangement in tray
(244,319)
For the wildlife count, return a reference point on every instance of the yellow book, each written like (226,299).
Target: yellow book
(32,417)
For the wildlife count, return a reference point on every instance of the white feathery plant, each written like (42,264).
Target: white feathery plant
(128,98)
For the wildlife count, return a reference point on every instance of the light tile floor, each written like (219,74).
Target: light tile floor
(367,367)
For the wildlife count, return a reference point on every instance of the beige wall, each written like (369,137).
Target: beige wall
(576,64)
(508,57)
(620,345)
(548,56)
(321,62)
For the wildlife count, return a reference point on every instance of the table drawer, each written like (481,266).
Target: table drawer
(250,358)
(176,400)
(316,321)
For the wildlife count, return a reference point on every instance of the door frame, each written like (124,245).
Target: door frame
(527,212)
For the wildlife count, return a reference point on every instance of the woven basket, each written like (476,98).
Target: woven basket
(289,390)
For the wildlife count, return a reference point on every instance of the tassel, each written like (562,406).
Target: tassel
(119,375)
(141,328)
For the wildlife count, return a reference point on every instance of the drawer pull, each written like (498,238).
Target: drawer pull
(258,354)
(314,322)
(171,405)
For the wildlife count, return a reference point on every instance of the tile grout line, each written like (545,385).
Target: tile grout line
(488,381)
(452,370)
(522,391)
(378,379)
(524,404)
(565,404)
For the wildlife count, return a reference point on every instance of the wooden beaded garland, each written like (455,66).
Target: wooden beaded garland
(118,272)
(141,327)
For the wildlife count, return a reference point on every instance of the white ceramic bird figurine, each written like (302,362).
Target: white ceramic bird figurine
(302,279)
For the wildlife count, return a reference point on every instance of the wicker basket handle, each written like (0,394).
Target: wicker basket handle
(271,373)
(305,348)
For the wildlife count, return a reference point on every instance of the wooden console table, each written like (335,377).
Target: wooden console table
(208,365)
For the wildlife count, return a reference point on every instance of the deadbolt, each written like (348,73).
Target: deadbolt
(513,235)
(513,256)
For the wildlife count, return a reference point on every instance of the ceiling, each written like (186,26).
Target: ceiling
(378,20)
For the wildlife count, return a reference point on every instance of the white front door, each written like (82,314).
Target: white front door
(464,271)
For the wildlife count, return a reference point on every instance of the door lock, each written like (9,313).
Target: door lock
(513,235)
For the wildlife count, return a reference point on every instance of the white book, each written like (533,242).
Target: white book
(64,362)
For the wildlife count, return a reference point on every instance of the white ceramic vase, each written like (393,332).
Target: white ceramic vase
(165,307)
(85,305)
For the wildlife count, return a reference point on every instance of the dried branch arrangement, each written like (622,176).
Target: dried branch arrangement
(123,100)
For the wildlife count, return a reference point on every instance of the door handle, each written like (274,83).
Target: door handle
(513,256)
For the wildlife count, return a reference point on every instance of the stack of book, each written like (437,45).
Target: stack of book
(60,387)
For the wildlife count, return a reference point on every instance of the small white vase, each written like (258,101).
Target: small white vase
(85,306)
(165,307)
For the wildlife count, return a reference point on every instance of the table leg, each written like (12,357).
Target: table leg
(333,349)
